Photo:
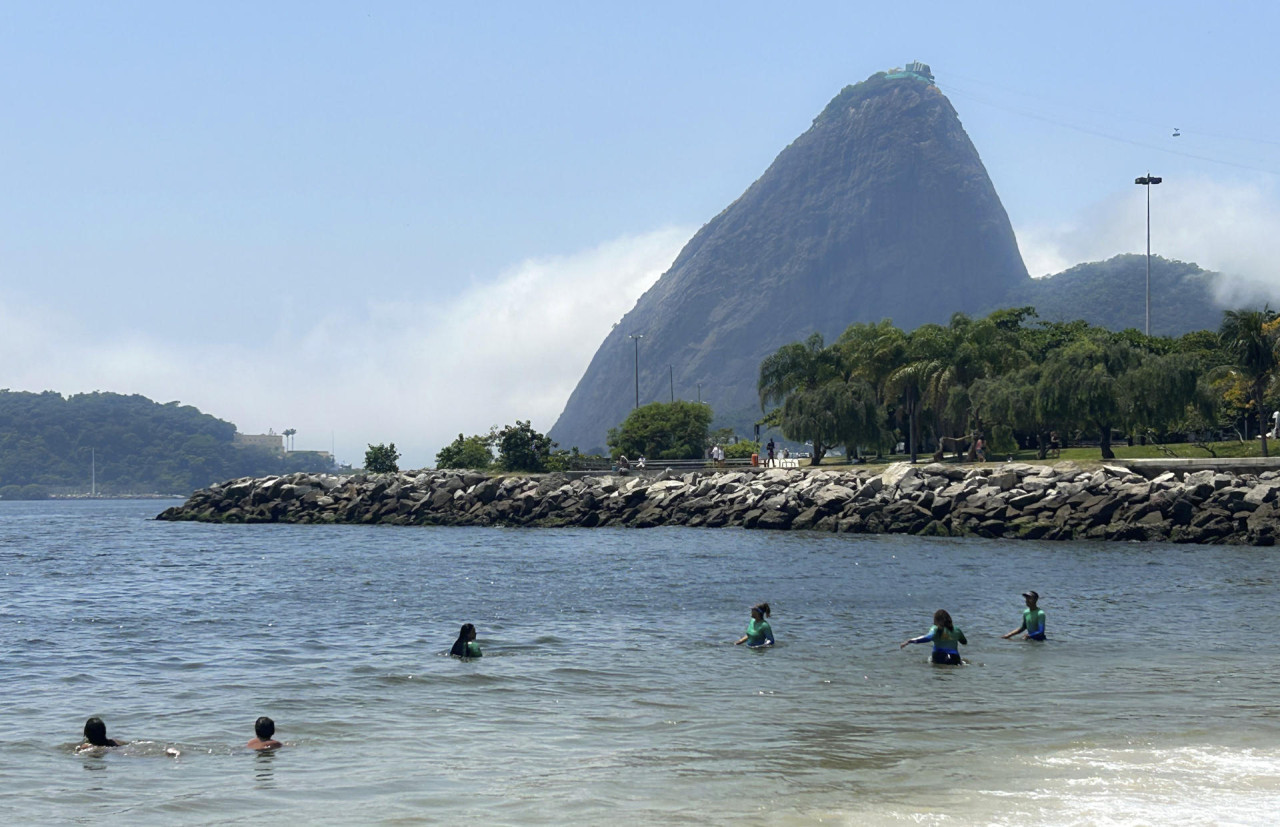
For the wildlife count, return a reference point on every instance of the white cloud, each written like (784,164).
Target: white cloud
(415,374)
(1230,227)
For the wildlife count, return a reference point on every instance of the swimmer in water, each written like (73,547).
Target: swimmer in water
(95,735)
(1032,619)
(945,637)
(759,632)
(263,730)
(465,646)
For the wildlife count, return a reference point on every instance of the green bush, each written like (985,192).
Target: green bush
(466,452)
(381,459)
(663,430)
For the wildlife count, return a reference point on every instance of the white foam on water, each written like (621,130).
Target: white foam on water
(1143,785)
(1140,785)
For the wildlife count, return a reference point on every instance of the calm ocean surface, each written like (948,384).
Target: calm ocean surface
(609,689)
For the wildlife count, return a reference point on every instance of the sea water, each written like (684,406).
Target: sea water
(610,689)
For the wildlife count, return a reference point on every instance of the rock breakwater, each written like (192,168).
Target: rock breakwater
(1062,502)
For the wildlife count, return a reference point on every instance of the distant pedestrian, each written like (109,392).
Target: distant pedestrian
(770,448)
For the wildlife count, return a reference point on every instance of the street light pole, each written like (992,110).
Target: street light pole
(671,377)
(1147,180)
(636,337)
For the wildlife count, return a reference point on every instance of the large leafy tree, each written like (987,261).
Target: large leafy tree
(1079,382)
(663,430)
(1013,399)
(521,448)
(1248,338)
(823,399)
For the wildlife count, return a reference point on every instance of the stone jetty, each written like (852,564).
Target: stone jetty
(1039,502)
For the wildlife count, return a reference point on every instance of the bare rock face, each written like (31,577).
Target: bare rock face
(882,209)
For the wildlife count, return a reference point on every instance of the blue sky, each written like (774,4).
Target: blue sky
(398,221)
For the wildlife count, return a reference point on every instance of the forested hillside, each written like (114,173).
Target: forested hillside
(50,442)
(1112,294)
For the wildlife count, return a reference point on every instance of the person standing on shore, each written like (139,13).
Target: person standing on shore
(945,637)
(1032,619)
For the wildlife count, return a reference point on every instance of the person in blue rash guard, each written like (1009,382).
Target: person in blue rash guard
(1032,619)
(945,637)
(759,632)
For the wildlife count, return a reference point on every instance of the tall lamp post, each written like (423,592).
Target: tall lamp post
(1147,180)
(636,337)
(671,377)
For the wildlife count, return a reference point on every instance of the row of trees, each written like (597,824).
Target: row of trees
(661,430)
(512,448)
(1007,376)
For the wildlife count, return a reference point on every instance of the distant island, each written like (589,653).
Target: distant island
(117,445)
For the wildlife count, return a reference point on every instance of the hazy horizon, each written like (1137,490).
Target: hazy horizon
(395,224)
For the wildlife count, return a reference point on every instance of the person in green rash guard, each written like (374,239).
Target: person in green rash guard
(759,632)
(1032,619)
(945,637)
(465,646)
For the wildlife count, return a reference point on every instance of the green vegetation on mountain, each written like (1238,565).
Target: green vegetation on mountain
(1112,294)
(130,443)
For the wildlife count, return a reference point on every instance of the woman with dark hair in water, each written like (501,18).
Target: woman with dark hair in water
(759,632)
(945,637)
(95,735)
(465,646)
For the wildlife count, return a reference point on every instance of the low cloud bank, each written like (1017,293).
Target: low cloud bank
(415,374)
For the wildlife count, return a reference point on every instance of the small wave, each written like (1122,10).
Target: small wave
(1189,785)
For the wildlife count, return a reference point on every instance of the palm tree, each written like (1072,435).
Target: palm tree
(795,372)
(1250,337)
(920,378)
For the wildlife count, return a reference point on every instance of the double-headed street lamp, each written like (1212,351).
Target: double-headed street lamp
(1147,180)
(636,337)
